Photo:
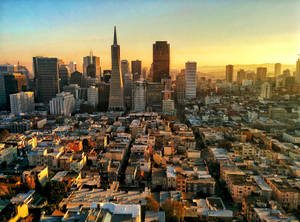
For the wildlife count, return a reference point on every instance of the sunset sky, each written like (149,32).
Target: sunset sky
(210,32)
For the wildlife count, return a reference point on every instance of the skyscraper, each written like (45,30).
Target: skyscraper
(91,59)
(161,60)
(116,99)
(180,87)
(265,92)
(46,78)
(72,66)
(297,74)
(139,101)
(190,80)
(277,69)
(261,74)
(64,76)
(229,73)
(241,75)
(136,69)
(124,68)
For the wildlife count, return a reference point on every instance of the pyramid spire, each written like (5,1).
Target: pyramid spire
(115,36)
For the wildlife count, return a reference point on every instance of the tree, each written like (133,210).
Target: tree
(55,191)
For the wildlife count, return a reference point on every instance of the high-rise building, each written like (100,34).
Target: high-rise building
(46,78)
(128,85)
(136,70)
(265,92)
(5,70)
(277,69)
(62,104)
(168,106)
(21,102)
(297,73)
(103,91)
(124,68)
(241,75)
(261,74)
(190,80)
(116,99)
(94,60)
(91,71)
(154,96)
(92,94)
(139,101)
(64,76)
(229,73)
(180,87)
(72,67)
(161,60)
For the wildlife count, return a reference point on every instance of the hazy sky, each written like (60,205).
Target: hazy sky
(210,32)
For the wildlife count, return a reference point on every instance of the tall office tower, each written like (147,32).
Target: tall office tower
(154,96)
(76,78)
(124,68)
(91,71)
(91,59)
(5,69)
(136,70)
(161,60)
(46,78)
(190,80)
(229,73)
(72,67)
(139,100)
(168,106)
(241,75)
(297,73)
(180,87)
(144,72)
(64,76)
(103,91)
(277,69)
(62,104)
(92,94)
(265,92)
(116,99)
(21,102)
(23,70)
(15,82)
(261,73)
(128,85)
(106,75)
(73,89)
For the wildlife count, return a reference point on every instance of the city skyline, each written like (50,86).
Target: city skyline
(215,35)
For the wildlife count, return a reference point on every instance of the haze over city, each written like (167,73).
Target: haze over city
(208,32)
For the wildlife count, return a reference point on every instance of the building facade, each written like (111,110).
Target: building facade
(161,60)
(116,99)
(229,73)
(46,78)
(190,80)
(21,102)
(62,104)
